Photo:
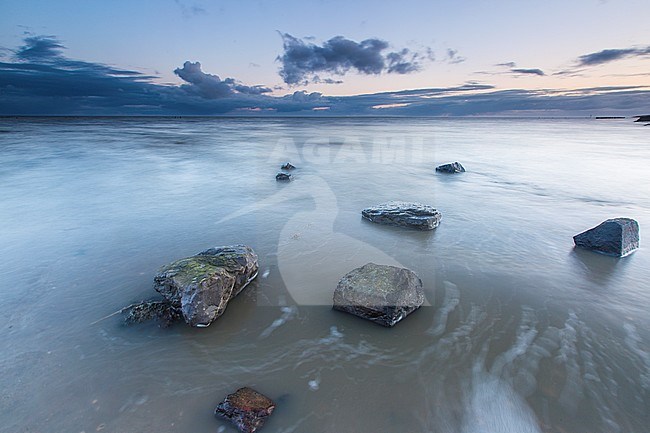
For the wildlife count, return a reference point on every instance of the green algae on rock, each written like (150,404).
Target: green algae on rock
(202,285)
(198,288)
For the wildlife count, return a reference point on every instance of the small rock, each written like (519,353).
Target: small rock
(380,293)
(163,311)
(454,167)
(614,237)
(245,408)
(202,285)
(283,177)
(398,213)
(288,166)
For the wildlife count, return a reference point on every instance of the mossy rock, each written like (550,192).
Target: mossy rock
(202,285)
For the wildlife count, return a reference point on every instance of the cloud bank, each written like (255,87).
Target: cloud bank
(302,61)
(40,80)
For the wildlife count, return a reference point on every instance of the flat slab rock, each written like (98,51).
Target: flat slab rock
(614,237)
(380,293)
(202,285)
(454,167)
(404,214)
(246,408)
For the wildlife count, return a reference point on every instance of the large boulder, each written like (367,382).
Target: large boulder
(202,285)
(454,167)
(614,237)
(246,408)
(380,293)
(399,213)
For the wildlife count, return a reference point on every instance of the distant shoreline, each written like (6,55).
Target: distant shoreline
(169,116)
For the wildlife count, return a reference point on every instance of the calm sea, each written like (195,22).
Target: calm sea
(522,333)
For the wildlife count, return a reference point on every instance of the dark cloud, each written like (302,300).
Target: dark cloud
(513,70)
(206,85)
(610,55)
(41,80)
(301,60)
(43,48)
(525,71)
(211,86)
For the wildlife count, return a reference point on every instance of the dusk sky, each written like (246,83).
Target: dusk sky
(438,58)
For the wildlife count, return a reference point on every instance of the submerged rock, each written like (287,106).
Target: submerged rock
(399,213)
(163,311)
(454,167)
(288,166)
(246,408)
(380,293)
(614,237)
(283,177)
(202,285)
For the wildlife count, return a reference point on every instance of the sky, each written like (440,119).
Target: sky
(325,57)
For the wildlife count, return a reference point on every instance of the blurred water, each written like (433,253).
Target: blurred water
(523,333)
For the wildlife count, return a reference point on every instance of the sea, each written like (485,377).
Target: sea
(520,333)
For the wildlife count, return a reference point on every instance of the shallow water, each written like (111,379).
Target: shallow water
(523,333)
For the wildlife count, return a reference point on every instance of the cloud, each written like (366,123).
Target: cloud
(191,10)
(41,80)
(525,71)
(43,48)
(610,55)
(211,86)
(513,70)
(302,60)
(453,57)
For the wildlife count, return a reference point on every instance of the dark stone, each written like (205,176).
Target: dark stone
(454,167)
(380,293)
(288,166)
(283,177)
(398,213)
(202,285)
(614,237)
(245,408)
(644,118)
(163,311)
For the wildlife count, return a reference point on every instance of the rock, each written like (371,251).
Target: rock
(288,166)
(614,237)
(202,285)
(644,118)
(380,293)
(163,311)
(398,213)
(246,408)
(283,177)
(454,167)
